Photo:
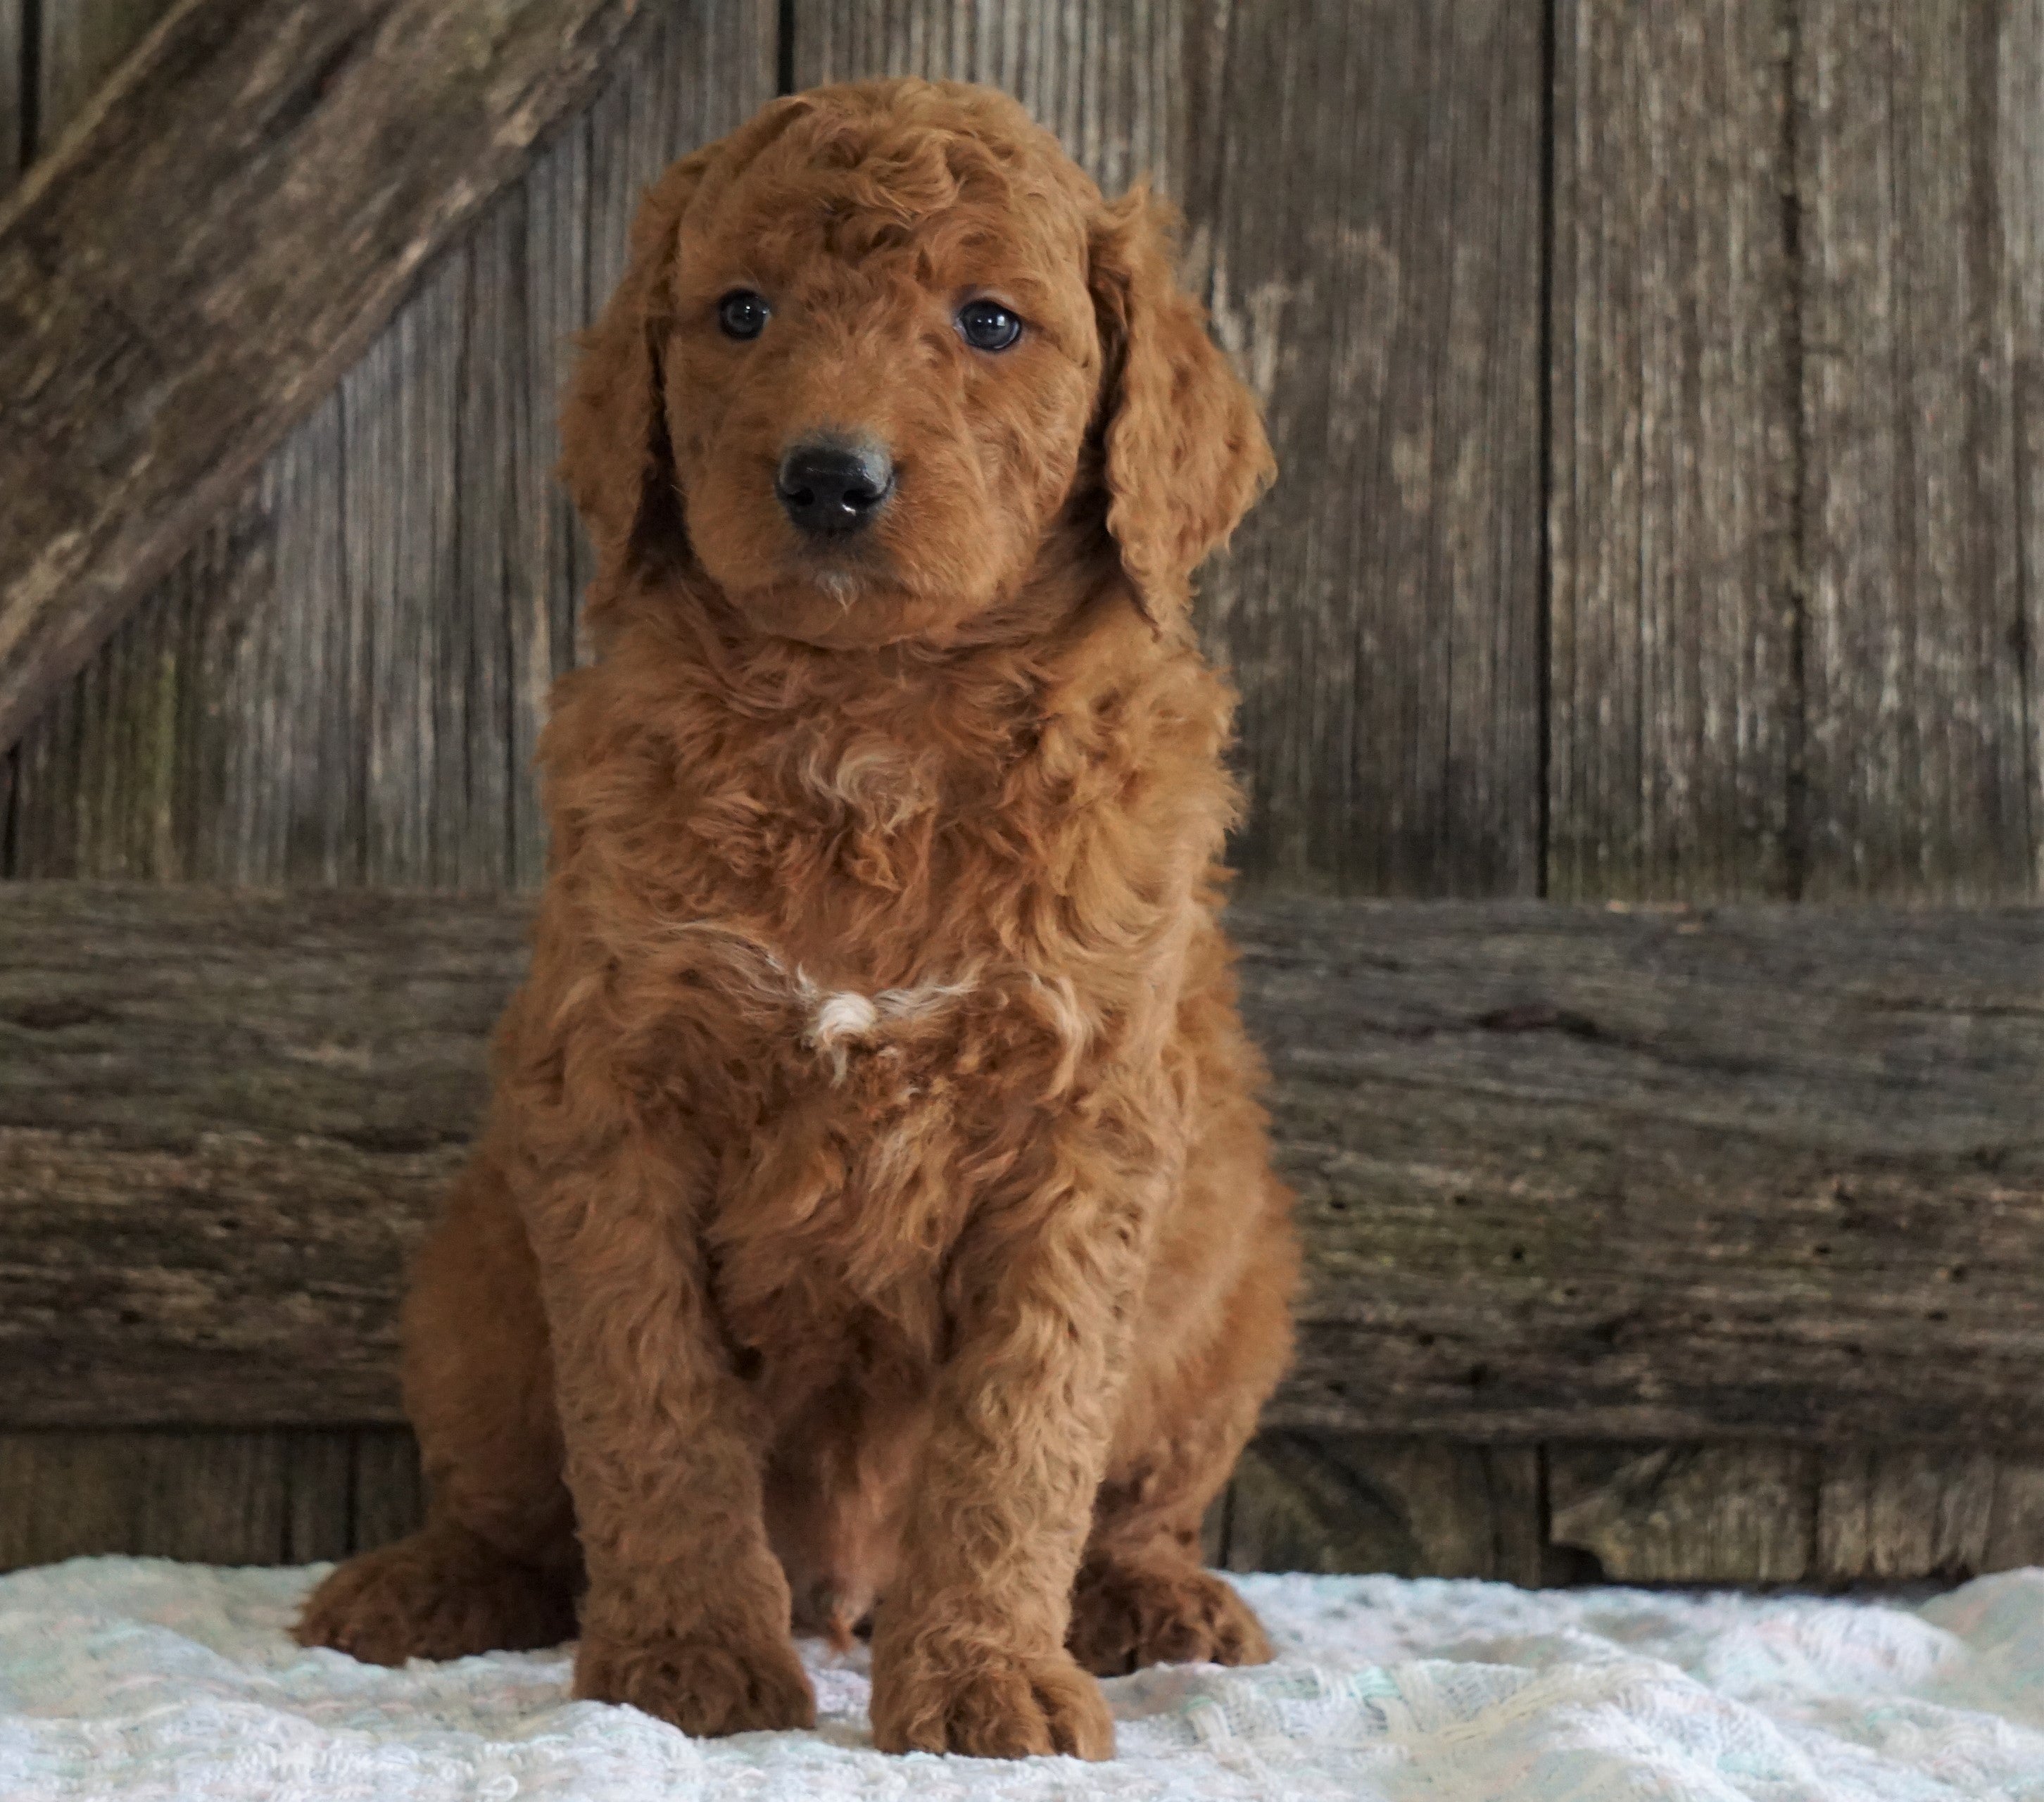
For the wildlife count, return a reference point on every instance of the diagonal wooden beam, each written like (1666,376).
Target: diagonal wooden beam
(210,246)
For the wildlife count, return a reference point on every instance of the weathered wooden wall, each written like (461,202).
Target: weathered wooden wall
(343,682)
(1796,335)
(1562,1176)
(1659,394)
(1743,295)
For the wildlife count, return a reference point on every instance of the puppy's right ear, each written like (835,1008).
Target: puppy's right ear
(615,457)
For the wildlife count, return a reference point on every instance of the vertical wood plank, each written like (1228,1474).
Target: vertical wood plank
(1887,1512)
(207,740)
(13,127)
(211,669)
(1919,202)
(1342,1503)
(1687,1514)
(1674,707)
(318,1499)
(543,590)
(221,1498)
(491,555)
(1376,269)
(81,42)
(129,795)
(293,805)
(2019,162)
(2016,1517)
(397,411)
(43,805)
(387,1498)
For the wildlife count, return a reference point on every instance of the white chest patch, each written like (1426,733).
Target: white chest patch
(842,1015)
(840,1020)
(830,1023)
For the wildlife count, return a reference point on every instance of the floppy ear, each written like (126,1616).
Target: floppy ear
(615,457)
(1183,441)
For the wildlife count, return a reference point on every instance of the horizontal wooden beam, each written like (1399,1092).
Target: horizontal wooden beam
(1747,1173)
(210,245)
(1333,1502)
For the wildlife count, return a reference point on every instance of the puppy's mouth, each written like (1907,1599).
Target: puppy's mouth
(845,604)
(844,586)
(847,573)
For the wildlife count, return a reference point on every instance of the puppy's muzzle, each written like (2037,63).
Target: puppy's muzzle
(832,488)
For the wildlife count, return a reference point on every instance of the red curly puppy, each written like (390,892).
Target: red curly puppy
(874,1208)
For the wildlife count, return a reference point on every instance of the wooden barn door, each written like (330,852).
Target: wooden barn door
(1658,396)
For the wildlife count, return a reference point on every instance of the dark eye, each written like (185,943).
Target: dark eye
(742,314)
(987,326)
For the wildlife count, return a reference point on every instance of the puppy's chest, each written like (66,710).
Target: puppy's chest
(831,812)
(854,1140)
(872,922)
(837,1200)
(853,900)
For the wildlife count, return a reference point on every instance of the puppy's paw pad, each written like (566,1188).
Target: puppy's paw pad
(438,1594)
(1127,1615)
(706,1683)
(993,1705)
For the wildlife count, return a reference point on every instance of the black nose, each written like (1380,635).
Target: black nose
(832,488)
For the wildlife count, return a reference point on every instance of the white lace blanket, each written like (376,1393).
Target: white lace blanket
(124,1678)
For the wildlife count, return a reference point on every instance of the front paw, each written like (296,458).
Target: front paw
(988,1704)
(707,1683)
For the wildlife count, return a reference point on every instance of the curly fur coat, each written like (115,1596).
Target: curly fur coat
(874,1216)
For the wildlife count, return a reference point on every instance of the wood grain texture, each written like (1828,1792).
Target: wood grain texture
(1415,1508)
(1527,1514)
(111,773)
(1922,216)
(13,127)
(204,1221)
(263,1496)
(1680,1175)
(2016,1524)
(1675,708)
(1778,1513)
(2019,164)
(1894,1511)
(221,1498)
(311,158)
(382,613)
(1560,1172)
(387,1493)
(1691,1514)
(81,44)
(1377,232)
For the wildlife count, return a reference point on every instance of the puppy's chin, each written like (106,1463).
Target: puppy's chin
(838,610)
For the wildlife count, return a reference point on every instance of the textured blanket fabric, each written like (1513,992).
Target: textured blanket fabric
(124,1678)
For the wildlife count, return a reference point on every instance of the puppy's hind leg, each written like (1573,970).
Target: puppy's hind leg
(495,1566)
(1143,1595)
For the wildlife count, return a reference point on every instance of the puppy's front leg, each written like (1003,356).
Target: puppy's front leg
(686,1615)
(969,1644)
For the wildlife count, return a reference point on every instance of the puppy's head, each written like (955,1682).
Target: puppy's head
(871,351)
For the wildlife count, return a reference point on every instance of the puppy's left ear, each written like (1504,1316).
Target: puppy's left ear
(1183,439)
